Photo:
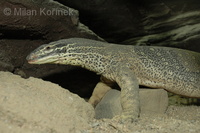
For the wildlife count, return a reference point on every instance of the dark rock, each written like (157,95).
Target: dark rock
(160,23)
(5,62)
(47,20)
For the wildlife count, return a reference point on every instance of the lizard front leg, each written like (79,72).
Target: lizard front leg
(129,85)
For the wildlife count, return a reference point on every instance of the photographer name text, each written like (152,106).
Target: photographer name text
(41,11)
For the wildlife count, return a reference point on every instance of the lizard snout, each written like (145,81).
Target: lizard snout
(31,58)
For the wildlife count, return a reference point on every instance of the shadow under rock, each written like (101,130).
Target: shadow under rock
(78,81)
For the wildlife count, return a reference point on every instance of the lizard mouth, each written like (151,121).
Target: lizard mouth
(31,61)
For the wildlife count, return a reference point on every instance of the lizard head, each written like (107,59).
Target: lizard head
(65,51)
(52,53)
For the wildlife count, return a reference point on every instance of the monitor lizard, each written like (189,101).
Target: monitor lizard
(175,70)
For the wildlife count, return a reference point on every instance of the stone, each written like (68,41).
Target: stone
(152,101)
(36,106)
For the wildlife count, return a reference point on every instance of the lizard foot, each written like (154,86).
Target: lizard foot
(123,119)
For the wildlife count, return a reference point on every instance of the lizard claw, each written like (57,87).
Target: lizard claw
(123,119)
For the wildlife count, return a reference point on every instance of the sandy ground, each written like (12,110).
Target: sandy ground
(184,119)
(36,106)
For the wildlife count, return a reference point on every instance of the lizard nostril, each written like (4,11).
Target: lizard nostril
(28,57)
(31,57)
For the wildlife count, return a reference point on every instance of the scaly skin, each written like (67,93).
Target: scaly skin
(172,69)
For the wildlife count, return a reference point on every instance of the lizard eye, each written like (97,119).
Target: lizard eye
(48,48)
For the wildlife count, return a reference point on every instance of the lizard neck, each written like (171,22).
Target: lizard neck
(89,57)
